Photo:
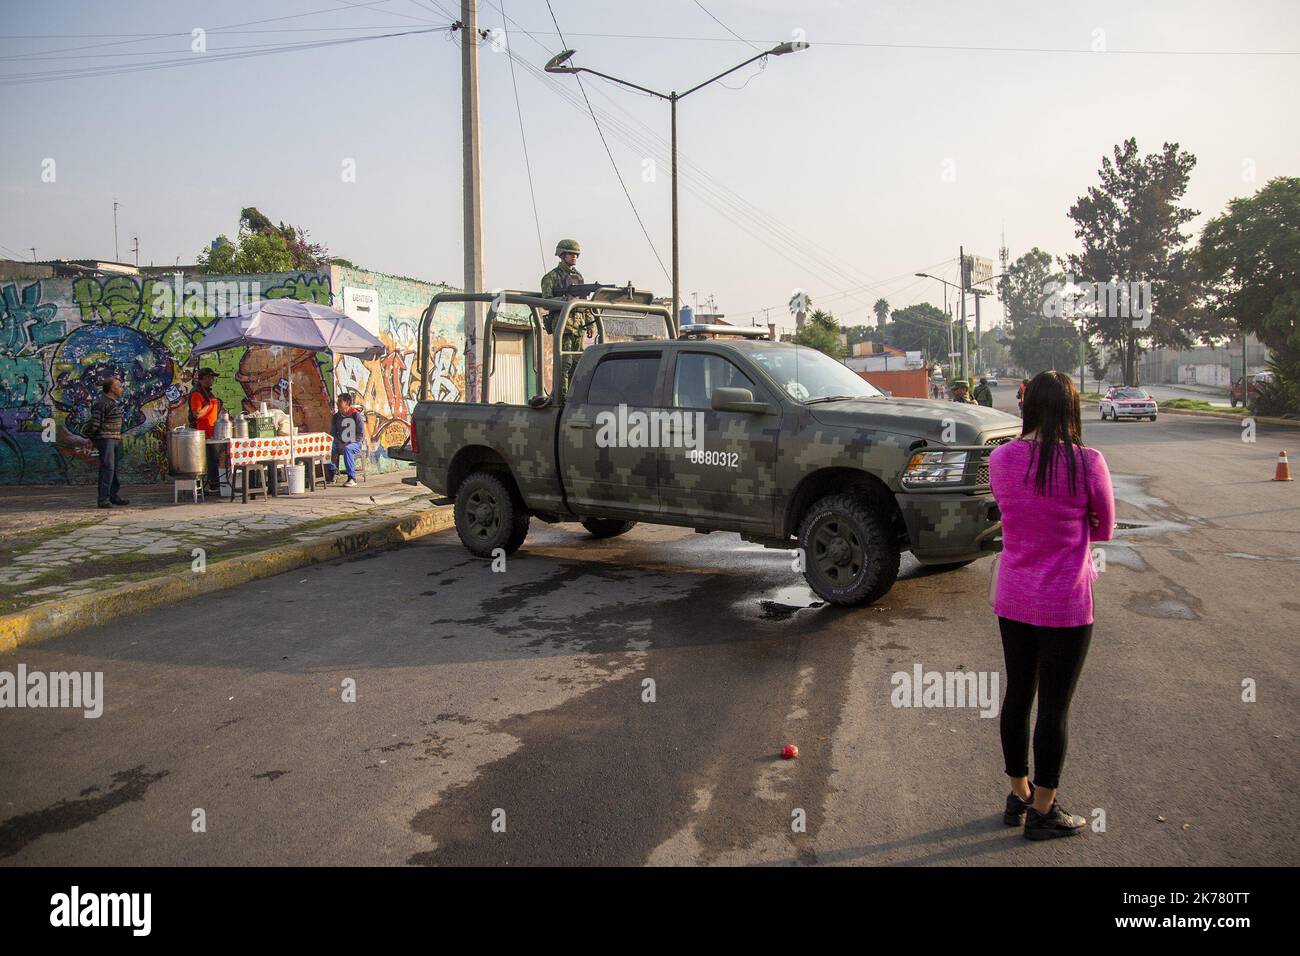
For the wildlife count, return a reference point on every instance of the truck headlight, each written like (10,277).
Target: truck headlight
(936,468)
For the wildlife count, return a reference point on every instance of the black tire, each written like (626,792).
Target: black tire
(488,516)
(607,527)
(850,556)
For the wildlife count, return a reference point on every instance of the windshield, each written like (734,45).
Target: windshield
(807,375)
(1130,393)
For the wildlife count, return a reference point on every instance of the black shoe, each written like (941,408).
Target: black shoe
(105,503)
(1014,816)
(119,501)
(1054,823)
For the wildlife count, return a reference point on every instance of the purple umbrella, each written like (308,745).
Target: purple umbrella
(293,324)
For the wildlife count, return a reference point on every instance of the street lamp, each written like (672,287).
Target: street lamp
(946,285)
(560,64)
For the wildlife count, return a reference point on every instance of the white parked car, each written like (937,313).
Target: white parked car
(1125,401)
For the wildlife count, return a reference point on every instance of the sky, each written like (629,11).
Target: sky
(904,131)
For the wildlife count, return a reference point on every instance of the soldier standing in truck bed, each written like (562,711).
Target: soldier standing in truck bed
(553,285)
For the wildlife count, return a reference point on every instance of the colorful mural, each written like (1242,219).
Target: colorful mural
(387,388)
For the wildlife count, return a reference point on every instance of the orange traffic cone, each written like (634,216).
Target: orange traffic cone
(1283,472)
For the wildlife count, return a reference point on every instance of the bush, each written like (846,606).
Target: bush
(1280,397)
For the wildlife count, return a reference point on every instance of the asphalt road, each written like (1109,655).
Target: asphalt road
(519,698)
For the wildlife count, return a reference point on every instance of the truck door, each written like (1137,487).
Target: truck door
(607,457)
(730,473)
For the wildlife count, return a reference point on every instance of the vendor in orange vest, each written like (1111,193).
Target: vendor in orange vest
(204,409)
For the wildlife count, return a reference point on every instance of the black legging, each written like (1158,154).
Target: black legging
(1046,659)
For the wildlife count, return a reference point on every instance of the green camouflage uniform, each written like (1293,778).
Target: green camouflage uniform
(984,395)
(553,285)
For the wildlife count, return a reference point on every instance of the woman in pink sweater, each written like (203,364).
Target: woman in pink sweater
(1055,497)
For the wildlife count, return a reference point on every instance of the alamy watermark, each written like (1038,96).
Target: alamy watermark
(922,688)
(55,689)
(199,299)
(1103,300)
(657,428)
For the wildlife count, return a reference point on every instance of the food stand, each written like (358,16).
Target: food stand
(289,324)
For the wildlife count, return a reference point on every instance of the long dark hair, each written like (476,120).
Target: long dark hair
(1052,412)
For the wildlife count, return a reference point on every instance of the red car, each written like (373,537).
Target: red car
(1127,401)
(1256,380)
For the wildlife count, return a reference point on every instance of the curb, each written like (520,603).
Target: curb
(55,618)
(1229,416)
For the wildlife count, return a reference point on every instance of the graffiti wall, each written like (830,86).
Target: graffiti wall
(388,388)
(61,338)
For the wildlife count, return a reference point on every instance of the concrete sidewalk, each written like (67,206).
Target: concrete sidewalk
(57,546)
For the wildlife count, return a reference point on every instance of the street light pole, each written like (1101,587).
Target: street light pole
(560,64)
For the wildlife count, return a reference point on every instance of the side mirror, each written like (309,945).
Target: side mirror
(737,400)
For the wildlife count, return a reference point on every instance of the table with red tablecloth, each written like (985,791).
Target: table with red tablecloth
(247,451)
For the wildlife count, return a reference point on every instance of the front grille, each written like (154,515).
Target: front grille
(982,468)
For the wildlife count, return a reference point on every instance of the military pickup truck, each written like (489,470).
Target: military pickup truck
(713,429)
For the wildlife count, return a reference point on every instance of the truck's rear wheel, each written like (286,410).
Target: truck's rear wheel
(850,556)
(488,517)
(607,527)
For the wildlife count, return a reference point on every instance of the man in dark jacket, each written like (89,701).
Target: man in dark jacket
(984,393)
(105,430)
(349,430)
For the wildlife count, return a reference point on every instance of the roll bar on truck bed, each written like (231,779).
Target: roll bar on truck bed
(538,306)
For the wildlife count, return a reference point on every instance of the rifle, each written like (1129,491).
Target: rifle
(583,290)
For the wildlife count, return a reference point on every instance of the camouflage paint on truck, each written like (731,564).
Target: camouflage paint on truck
(757,468)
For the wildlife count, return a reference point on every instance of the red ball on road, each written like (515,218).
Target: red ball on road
(789,752)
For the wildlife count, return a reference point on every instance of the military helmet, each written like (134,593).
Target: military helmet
(567,245)
(959,383)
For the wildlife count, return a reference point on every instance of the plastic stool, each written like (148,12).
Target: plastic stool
(250,488)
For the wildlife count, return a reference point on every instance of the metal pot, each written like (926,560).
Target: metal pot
(221,431)
(241,427)
(186,451)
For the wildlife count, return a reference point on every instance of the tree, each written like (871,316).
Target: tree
(260,246)
(881,308)
(921,327)
(1023,289)
(1250,259)
(1131,229)
(821,332)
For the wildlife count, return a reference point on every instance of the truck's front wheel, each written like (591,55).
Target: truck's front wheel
(849,555)
(488,517)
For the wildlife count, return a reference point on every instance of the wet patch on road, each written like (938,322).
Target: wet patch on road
(128,786)
(1171,602)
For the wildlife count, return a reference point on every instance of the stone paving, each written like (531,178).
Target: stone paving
(53,544)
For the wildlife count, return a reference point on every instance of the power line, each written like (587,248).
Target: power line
(610,154)
(528,166)
(718,197)
(20,79)
(957,48)
(186,33)
(725,27)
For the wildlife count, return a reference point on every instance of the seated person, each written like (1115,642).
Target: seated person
(348,428)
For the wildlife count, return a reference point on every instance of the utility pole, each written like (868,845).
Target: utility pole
(979,353)
(33,248)
(115,254)
(136,249)
(473,191)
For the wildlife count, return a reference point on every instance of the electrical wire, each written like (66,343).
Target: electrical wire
(528,166)
(736,203)
(186,33)
(21,79)
(725,27)
(610,154)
